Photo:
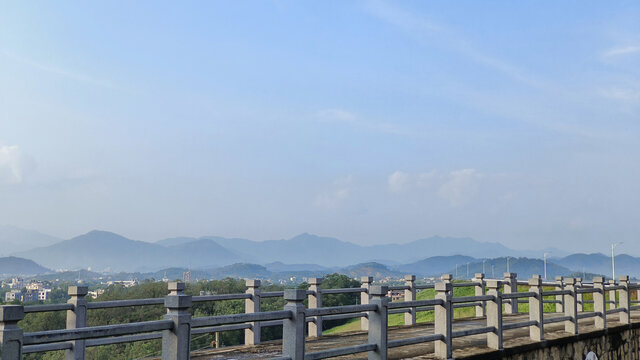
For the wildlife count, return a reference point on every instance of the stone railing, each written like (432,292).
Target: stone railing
(178,325)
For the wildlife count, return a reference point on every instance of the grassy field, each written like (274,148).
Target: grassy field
(427,316)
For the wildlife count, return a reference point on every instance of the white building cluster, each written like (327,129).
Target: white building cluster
(33,291)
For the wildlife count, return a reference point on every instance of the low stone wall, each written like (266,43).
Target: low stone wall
(614,343)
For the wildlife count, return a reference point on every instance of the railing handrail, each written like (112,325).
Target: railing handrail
(337,310)
(239,318)
(374,307)
(343,290)
(415,303)
(92,332)
(124,303)
(47,308)
(220,297)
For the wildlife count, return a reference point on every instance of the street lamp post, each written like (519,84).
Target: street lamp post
(483,269)
(508,265)
(613,260)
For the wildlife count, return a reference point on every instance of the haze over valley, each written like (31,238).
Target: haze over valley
(303,255)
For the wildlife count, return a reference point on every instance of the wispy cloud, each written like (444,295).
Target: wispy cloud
(337,115)
(457,187)
(353,119)
(626,95)
(398,181)
(426,29)
(624,50)
(73,75)
(333,198)
(460,187)
(14,164)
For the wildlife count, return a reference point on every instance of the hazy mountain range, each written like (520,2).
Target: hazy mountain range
(14,239)
(106,251)
(10,266)
(304,254)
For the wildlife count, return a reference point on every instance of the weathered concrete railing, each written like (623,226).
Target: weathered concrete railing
(178,325)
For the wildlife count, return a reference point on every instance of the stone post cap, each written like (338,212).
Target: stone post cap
(177,301)
(446,277)
(598,279)
(578,280)
(536,277)
(494,284)
(366,279)
(570,281)
(297,295)
(253,283)
(510,275)
(479,276)
(11,313)
(443,286)
(535,281)
(315,281)
(176,286)
(612,282)
(78,290)
(378,290)
(410,278)
(559,278)
(623,278)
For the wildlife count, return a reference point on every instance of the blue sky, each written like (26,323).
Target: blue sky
(373,122)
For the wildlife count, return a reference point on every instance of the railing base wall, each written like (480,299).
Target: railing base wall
(614,343)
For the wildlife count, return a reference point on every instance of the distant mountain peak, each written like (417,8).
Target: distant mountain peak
(305,236)
(15,239)
(101,236)
(13,265)
(97,232)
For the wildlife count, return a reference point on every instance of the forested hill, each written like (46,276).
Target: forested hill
(12,265)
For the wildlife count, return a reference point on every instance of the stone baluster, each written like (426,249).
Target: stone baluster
(612,295)
(443,318)
(293,341)
(511,286)
(252,305)
(480,290)
(315,301)
(599,305)
(536,309)
(559,298)
(10,334)
(77,318)
(625,300)
(410,295)
(446,278)
(494,315)
(176,342)
(378,322)
(571,307)
(364,299)
(579,296)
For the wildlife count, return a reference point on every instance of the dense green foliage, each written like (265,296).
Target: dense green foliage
(336,281)
(56,320)
(149,289)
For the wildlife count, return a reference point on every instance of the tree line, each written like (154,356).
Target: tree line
(151,289)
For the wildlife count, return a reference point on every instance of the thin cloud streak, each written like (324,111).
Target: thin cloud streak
(59,71)
(619,51)
(422,28)
(353,119)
